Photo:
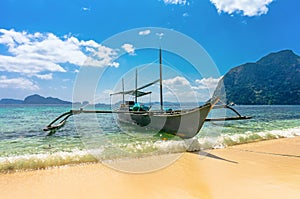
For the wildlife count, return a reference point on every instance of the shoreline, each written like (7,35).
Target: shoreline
(265,169)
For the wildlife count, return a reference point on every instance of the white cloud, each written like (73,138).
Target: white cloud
(145,32)
(18,83)
(86,9)
(207,83)
(33,54)
(101,56)
(176,2)
(128,48)
(89,43)
(176,81)
(160,35)
(205,87)
(179,89)
(45,76)
(27,65)
(41,55)
(185,14)
(247,7)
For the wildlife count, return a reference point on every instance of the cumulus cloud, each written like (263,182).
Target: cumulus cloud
(176,81)
(37,53)
(27,65)
(41,55)
(18,83)
(100,55)
(179,89)
(207,83)
(176,2)
(246,7)
(128,48)
(145,32)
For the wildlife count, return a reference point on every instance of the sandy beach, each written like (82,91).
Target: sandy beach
(266,169)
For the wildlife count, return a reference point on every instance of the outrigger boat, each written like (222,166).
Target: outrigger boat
(183,123)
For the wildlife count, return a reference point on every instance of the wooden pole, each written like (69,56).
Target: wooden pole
(160,80)
(136,76)
(123,89)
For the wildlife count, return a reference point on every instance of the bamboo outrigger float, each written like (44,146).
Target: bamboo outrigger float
(183,123)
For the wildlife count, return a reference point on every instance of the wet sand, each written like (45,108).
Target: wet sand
(267,169)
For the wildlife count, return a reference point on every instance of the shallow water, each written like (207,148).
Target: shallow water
(89,138)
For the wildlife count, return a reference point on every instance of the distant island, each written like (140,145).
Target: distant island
(274,79)
(35,99)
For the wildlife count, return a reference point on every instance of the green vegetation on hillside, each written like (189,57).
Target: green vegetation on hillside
(274,79)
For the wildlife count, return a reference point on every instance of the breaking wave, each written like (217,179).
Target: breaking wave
(138,149)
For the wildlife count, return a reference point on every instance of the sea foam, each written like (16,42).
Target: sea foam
(138,149)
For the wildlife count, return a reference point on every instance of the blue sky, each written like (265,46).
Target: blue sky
(44,43)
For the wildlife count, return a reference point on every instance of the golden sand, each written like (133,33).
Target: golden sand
(268,169)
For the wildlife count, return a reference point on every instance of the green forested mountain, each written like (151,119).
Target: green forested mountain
(274,79)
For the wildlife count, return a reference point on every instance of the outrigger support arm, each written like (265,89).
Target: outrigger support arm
(238,117)
(52,127)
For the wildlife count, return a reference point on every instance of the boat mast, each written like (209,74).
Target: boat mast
(123,90)
(136,91)
(160,80)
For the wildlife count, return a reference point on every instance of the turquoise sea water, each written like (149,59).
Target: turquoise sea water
(90,138)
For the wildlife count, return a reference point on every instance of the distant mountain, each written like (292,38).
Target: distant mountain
(11,101)
(37,99)
(274,79)
(34,99)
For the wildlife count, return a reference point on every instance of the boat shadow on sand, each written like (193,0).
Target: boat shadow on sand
(209,155)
